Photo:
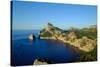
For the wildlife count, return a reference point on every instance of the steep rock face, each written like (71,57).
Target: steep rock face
(78,39)
(50,32)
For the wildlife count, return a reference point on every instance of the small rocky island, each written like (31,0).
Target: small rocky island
(84,39)
(31,37)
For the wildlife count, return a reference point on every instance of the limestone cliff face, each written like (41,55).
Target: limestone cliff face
(84,43)
(50,32)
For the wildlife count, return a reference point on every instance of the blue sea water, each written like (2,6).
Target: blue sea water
(24,52)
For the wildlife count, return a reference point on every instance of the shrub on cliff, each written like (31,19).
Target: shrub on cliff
(90,56)
(46,34)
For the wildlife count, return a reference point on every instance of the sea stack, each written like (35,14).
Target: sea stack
(31,37)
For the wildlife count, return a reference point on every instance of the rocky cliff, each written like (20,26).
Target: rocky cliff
(84,39)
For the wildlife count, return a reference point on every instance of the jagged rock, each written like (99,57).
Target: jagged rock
(83,42)
(87,44)
(71,36)
(39,62)
(50,32)
(31,37)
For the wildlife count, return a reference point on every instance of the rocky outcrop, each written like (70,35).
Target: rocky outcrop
(39,62)
(83,42)
(31,37)
(50,32)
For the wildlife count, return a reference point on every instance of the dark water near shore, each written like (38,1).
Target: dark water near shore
(24,52)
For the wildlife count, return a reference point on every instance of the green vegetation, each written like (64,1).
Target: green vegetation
(84,39)
(46,34)
(89,32)
(58,28)
(90,56)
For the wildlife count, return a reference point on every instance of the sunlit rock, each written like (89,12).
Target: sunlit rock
(78,38)
(38,62)
(31,37)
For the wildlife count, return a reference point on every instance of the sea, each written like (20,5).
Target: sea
(25,52)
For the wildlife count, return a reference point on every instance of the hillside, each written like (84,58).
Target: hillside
(84,39)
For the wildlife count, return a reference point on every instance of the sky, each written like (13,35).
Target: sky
(36,15)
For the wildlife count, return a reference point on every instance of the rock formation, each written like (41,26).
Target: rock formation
(38,62)
(82,39)
(31,37)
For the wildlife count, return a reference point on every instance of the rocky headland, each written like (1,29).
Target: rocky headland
(84,39)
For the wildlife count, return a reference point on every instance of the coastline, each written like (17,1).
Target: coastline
(73,44)
(83,55)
